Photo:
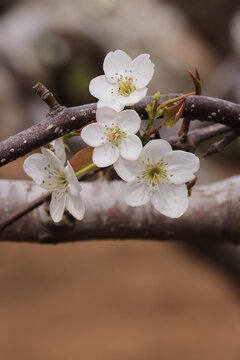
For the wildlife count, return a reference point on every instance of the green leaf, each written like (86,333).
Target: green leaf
(173,113)
(82,159)
(70,135)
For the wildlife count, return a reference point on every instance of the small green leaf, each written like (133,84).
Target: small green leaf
(82,159)
(171,101)
(173,113)
(70,135)
(149,110)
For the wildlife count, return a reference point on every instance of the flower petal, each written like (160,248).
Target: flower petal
(181,166)
(114,103)
(136,193)
(75,206)
(155,150)
(93,134)
(133,98)
(131,147)
(129,121)
(59,149)
(100,88)
(115,64)
(171,200)
(57,206)
(106,116)
(34,167)
(74,184)
(52,159)
(143,70)
(105,155)
(127,170)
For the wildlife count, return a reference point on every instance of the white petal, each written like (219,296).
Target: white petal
(75,206)
(155,150)
(131,147)
(59,149)
(57,206)
(143,70)
(128,170)
(136,194)
(74,184)
(106,116)
(115,64)
(93,135)
(133,98)
(129,121)
(52,159)
(105,155)
(114,104)
(181,166)
(34,167)
(172,200)
(100,88)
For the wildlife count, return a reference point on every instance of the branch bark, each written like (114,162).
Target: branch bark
(60,121)
(213,215)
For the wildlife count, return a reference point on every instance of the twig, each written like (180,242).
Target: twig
(221,144)
(46,96)
(63,120)
(195,137)
(23,210)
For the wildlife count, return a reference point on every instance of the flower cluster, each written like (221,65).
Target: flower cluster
(153,172)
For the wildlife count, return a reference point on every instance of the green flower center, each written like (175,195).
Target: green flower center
(56,182)
(115,135)
(125,86)
(155,174)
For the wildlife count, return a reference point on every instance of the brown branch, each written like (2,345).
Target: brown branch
(213,215)
(196,137)
(46,96)
(61,120)
(221,144)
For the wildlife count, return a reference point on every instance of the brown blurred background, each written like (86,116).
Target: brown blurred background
(117,300)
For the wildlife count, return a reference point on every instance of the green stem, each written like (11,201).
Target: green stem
(86,168)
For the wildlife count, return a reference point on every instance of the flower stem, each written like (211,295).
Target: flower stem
(86,168)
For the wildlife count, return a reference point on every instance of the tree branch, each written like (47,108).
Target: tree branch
(61,120)
(221,144)
(213,215)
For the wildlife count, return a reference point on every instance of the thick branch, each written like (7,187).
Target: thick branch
(61,120)
(213,215)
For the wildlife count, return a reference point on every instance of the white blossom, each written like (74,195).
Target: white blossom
(159,175)
(59,149)
(125,80)
(113,135)
(49,172)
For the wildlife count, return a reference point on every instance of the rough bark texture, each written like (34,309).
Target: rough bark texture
(60,121)
(213,215)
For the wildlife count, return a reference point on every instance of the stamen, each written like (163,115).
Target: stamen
(115,135)
(57,182)
(154,175)
(126,86)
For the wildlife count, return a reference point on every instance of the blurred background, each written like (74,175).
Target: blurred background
(117,300)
